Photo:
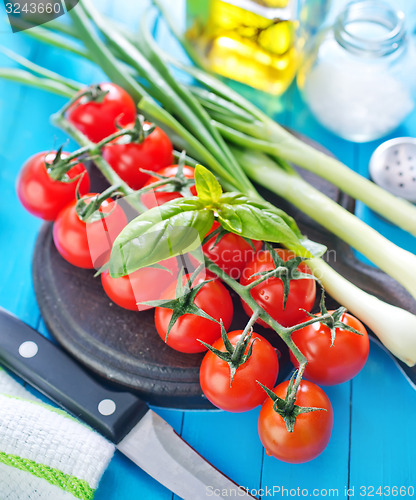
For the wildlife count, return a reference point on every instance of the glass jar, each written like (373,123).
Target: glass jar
(358,76)
(252,41)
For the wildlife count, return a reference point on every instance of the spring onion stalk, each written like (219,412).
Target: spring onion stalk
(28,78)
(395,327)
(176,99)
(105,58)
(41,71)
(160,116)
(162,84)
(396,261)
(286,145)
(110,64)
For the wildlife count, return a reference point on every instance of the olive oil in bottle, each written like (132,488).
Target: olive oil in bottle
(252,41)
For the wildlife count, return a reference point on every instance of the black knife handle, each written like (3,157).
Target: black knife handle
(45,366)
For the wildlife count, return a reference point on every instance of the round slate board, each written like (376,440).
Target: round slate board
(124,347)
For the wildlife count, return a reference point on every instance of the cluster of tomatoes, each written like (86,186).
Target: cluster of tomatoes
(88,245)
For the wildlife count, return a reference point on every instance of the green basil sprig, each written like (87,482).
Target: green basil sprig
(253,219)
(180,226)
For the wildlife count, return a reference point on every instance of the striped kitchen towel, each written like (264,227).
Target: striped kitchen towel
(45,454)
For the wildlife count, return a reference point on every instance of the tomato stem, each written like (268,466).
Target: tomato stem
(60,168)
(242,341)
(244,293)
(59,120)
(74,99)
(293,389)
(322,318)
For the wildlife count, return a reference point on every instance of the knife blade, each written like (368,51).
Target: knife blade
(122,417)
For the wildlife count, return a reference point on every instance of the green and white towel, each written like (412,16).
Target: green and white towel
(45,454)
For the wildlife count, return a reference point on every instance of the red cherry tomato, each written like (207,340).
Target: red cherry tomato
(245,393)
(143,285)
(98,120)
(154,153)
(156,197)
(231,253)
(43,196)
(214,299)
(312,430)
(332,365)
(269,294)
(88,245)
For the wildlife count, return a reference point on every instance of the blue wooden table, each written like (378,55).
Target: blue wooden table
(374,440)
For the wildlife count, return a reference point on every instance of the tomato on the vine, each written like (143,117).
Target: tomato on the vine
(245,393)
(231,253)
(330,365)
(158,196)
(142,285)
(312,430)
(97,119)
(40,194)
(128,157)
(270,294)
(88,245)
(214,299)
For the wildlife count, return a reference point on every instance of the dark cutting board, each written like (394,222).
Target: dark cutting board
(123,346)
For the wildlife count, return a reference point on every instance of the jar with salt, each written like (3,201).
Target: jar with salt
(358,76)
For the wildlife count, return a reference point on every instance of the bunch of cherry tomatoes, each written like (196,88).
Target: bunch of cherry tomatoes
(88,245)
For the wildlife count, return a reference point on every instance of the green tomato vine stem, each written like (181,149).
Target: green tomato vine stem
(59,120)
(239,348)
(284,332)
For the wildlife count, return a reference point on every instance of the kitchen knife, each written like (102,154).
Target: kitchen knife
(122,417)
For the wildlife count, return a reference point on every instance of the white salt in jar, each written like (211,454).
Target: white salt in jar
(358,77)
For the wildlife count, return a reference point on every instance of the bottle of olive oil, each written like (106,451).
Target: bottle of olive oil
(252,41)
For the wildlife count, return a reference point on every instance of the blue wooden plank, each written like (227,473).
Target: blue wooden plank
(125,481)
(22,136)
(229,441)
(383,415)
(329,470)
(24,118)
(334,460)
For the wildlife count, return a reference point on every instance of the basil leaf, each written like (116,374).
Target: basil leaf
(174,228)
(208,188)
(260,220)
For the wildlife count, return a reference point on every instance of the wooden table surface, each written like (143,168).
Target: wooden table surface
(374,439)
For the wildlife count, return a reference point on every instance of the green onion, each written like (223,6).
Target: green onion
(43,72)
(386,255)
(395,327)
(22,76)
